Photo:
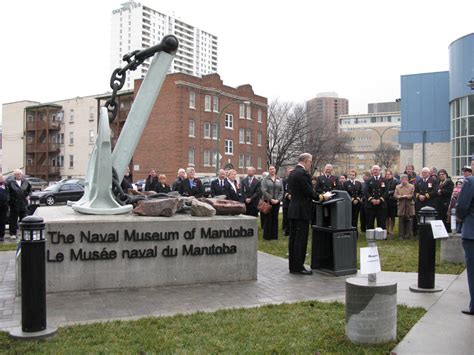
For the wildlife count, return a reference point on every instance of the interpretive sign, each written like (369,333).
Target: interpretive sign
(86,252)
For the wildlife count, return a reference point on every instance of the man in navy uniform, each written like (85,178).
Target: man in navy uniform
(354,189)
(299,213)
(217,185)
(326,182)
(426,193)
(376,200)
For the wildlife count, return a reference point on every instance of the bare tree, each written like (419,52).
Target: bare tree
(287,128)
(385,155)
(325,143)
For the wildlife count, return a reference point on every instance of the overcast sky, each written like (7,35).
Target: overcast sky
(292,50)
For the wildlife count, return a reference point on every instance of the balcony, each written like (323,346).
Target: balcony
(42,170)
(42,148)
(42,125)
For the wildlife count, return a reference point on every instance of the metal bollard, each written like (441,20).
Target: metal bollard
(33,281)
(426,252)
(370,236)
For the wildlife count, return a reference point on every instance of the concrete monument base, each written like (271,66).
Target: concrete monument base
(371,311)
(452,250)
(90,252)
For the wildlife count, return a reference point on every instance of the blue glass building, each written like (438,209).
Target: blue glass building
(437,109)
(425,120)
(461,101)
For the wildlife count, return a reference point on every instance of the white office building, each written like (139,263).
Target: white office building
(136,26)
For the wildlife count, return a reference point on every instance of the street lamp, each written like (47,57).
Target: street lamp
(383,132)
(218,128)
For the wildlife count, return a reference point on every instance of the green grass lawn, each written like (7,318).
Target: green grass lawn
(7,246)
(300,328)
(395,255)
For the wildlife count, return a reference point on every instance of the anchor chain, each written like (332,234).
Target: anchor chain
(169,44)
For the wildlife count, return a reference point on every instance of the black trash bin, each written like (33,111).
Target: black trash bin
(334,248)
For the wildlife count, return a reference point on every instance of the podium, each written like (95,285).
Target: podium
(334,248)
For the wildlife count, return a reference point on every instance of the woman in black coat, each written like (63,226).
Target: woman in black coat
(151,182)
(445,190)
(162,186)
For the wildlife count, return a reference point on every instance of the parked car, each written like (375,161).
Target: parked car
(37,183)
(60,192)
(139,185)
(79,181)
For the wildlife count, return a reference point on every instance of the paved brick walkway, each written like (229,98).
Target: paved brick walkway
(274,285)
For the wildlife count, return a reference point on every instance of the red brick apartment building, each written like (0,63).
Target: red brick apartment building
(193,121)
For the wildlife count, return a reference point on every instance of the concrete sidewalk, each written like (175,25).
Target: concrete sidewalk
(443,329)
(274,285)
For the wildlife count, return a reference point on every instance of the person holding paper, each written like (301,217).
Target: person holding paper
(406,207)
(465,212)
(299,213)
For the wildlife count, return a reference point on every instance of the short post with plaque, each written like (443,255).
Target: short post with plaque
(426,252)
(33,281)
(371,304)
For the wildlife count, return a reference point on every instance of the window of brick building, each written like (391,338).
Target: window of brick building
(215,104)
(249,112)
(259,138)
(249,160)
(259,163)
(248,136)
(71,137)
(259,115)
(71,161)
(229,147)
(241,160)
(207,130)
(207,103)
(191,128)
(242,135)
(191,157)
(192,99)
(229,121)
(215,132)
(242,111)
(207,157)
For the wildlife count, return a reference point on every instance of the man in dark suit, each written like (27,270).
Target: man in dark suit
(217,185)
(299,213)
(326,182)
(465,212)
(286,203)
(19,190)
(250,192)
(354,189)
(376,200)
(191,186)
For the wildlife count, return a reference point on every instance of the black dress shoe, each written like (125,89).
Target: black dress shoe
(466,311)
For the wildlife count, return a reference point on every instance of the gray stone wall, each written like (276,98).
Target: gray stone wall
(87,252)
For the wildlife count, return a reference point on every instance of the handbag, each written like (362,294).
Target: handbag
(264,207)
